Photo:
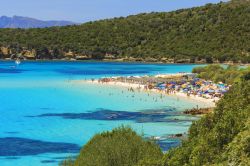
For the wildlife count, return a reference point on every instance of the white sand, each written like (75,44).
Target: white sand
(207,102)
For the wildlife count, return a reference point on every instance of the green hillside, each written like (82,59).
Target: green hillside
(215,32)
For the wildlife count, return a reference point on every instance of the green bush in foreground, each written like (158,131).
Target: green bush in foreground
(120,147)
(238,151)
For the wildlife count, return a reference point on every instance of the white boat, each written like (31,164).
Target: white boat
(17,61)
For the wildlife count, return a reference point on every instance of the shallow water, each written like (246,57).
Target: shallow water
(47,116)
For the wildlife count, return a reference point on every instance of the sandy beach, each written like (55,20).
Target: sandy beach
(140,87)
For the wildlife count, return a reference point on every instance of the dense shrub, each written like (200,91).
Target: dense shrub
(120,147)
(217,73)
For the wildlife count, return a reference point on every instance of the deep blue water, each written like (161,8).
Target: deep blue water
(47,114)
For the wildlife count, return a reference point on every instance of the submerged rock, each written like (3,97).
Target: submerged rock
(198,111)
(15,146)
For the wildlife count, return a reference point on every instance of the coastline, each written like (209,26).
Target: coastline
(207,102)
(125,61)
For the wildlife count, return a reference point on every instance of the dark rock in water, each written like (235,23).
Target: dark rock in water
(48,161)
(63,158)
(11,71)
(14,146)
(198,111)
(178,135)
(60,158)
(102,114)
(11,158)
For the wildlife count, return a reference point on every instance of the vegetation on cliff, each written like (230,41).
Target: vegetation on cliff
(212,139)
(218,73)
(215,32)
(218,138)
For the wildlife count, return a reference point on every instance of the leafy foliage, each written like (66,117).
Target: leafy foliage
(120,147)
(212,32)
(238,151)
(212,139)
(217,73)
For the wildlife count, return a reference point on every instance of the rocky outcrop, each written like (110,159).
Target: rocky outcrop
(29,54)
(69,54)
(182,61)
(198,111)
(167,60)
(109,56)
(82,57)
(5,52)
(151,60)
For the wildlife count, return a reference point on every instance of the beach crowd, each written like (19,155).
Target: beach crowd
(184,83)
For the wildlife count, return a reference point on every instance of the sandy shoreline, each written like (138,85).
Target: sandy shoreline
(207,102)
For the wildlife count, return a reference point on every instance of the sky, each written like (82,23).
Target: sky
(89,10)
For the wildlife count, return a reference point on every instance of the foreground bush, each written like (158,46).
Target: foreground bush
(120,147)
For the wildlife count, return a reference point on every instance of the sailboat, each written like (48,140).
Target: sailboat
(17,61)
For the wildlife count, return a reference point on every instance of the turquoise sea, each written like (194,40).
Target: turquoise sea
(46,115)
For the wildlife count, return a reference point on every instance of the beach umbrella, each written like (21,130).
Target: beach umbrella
(217,91)
(221,85)
(158,84)
(184,86)
(169,85)
(211,91)
(199,92)
(162,86)
(196,79)
(172,82)
(185,90)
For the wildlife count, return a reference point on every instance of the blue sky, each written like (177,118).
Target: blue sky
(86,10)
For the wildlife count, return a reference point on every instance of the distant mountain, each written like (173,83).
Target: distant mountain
(26,22)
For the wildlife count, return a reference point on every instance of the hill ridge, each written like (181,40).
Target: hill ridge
(28,22)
